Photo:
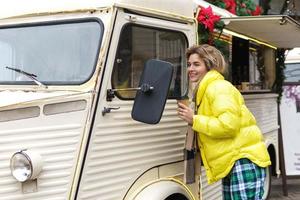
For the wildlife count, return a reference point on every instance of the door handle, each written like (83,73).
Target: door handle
(108,109)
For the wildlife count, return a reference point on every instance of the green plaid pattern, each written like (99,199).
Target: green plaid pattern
(244,182)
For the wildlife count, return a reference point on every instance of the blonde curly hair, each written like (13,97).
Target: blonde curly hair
(211,56)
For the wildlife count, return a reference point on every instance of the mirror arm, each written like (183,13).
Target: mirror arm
(110,94)
(146,88)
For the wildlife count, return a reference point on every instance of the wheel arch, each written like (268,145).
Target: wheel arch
(164,189)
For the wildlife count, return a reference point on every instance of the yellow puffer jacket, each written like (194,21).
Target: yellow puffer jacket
(227,130)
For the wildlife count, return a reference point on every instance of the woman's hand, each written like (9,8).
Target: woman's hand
(185,113)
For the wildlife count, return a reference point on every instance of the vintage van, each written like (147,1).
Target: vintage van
(69,76)
(66,131)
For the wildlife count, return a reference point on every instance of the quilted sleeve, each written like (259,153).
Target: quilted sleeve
(225,120)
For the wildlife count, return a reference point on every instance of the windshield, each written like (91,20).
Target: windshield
(60,53)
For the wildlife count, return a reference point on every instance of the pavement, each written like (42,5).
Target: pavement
(293,186)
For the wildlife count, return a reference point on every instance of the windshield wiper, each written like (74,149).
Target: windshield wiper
(29,75)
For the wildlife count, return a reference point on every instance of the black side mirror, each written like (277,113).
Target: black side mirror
(150,100)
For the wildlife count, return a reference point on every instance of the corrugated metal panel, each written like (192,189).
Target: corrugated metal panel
(122,149)
(210,192)
(8,97)
(265,112)
(57,139)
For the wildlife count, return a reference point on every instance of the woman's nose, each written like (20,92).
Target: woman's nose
(191,67)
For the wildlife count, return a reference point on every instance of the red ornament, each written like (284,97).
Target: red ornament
(207,18)
(257,11)
(230,6)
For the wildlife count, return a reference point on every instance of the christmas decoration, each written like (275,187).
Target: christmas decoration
(280,66)
(230,5)
(207,18)
(238,7)
(207,21)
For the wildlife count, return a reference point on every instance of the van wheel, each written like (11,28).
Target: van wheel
(267,184)
(176,196)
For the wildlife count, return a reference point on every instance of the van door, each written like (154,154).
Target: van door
(121,149)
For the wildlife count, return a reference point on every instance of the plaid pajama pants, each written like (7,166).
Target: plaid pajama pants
(244,182)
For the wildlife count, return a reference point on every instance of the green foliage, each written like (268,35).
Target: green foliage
(238,7)
(245,7)
(222,46)
(218,3)
(280,66)
(261,64)
(203,34)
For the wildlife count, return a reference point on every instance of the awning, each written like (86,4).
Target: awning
(279,31)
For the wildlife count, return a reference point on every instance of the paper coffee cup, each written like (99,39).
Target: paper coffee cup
(184,101)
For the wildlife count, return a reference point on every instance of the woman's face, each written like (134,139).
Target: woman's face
(196,68)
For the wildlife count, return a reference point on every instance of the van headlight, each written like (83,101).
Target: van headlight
(25,165)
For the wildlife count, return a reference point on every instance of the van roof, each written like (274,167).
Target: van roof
(14,8)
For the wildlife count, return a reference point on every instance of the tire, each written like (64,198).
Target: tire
(176,197)
(267,184)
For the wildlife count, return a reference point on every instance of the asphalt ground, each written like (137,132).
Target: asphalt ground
(293,186)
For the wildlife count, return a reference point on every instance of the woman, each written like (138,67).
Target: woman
(231,144)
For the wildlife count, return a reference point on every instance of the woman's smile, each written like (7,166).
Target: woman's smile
(196,68)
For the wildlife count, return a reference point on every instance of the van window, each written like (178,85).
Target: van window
(250,65)
(60,53)
(246,62)
(292,72)
(138,44)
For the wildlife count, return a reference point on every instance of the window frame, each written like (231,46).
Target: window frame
(184,94)
(60,22)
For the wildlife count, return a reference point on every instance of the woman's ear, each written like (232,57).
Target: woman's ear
(208,65)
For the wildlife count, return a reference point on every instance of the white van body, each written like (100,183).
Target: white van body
(88,152)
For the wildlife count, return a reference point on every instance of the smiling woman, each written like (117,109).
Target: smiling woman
(230,142)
